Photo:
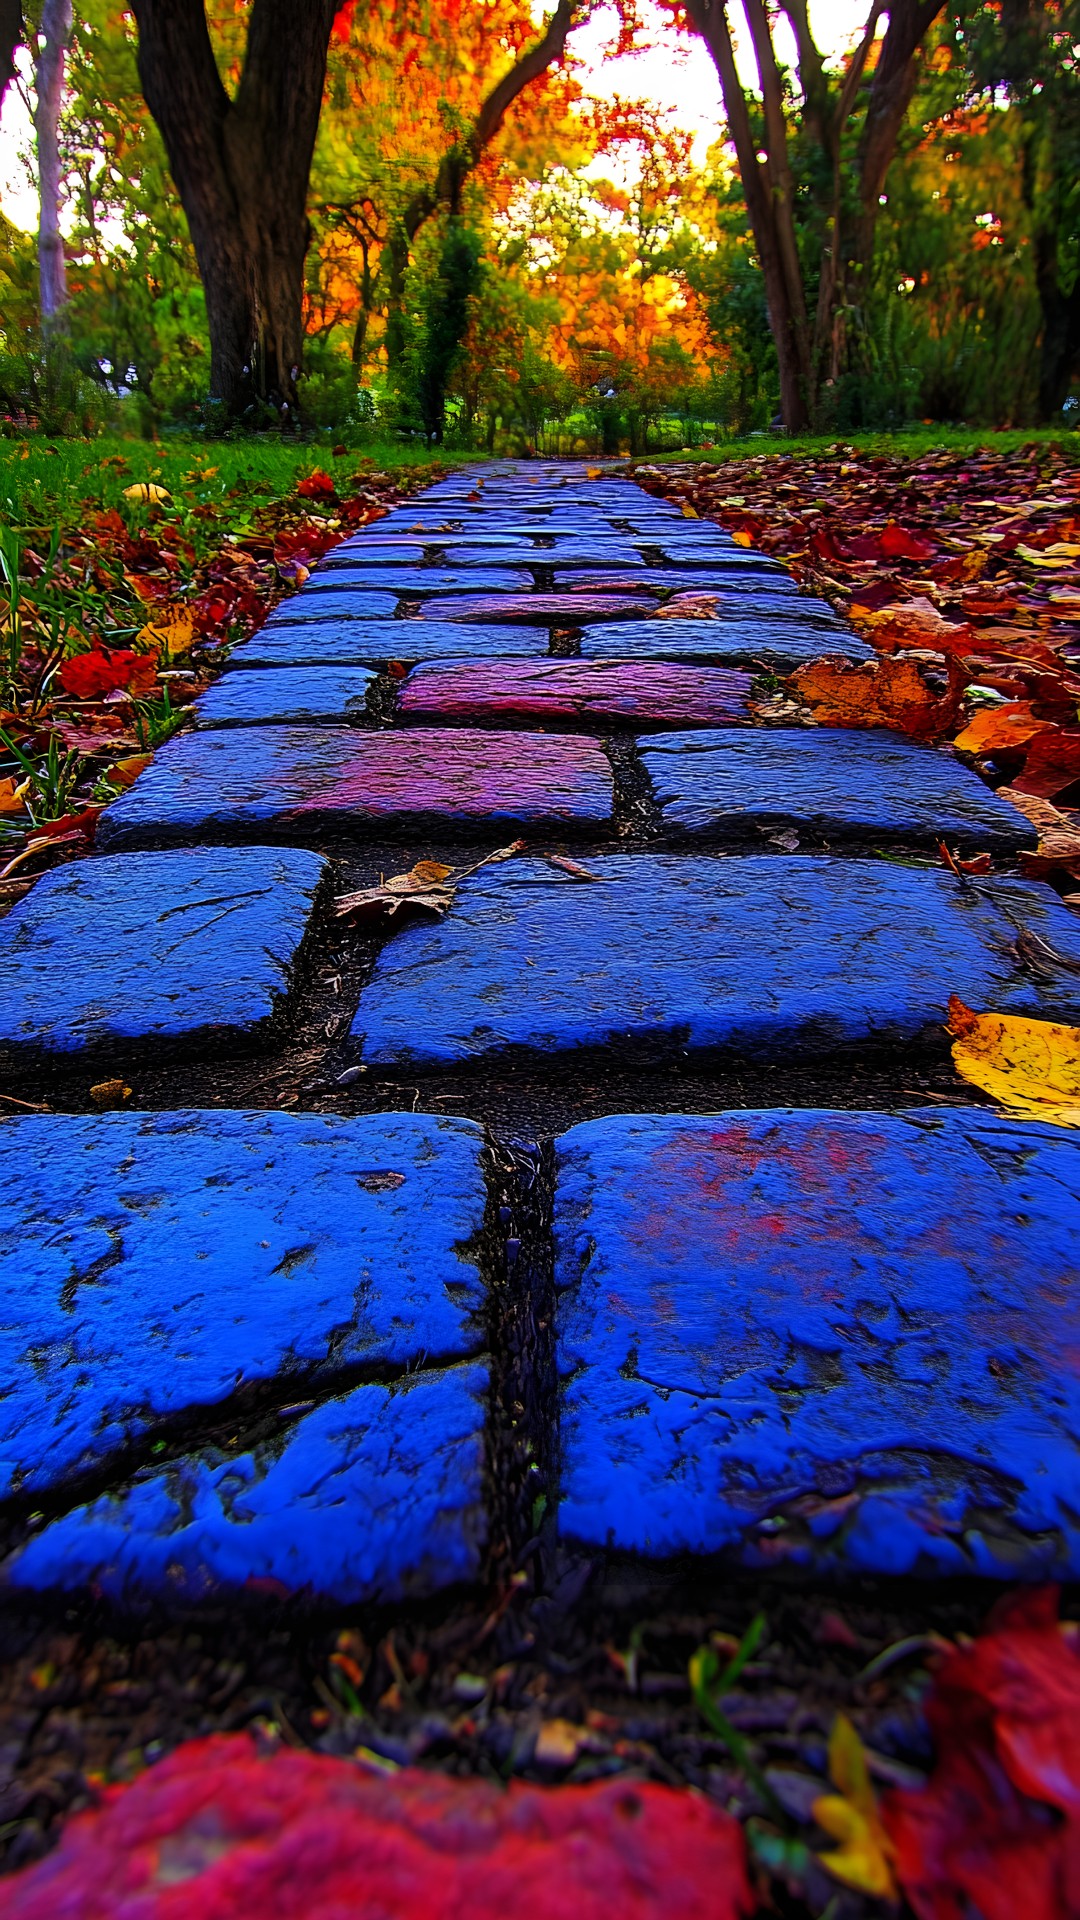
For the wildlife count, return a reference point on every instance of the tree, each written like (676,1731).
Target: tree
(49,86)
(844,179)
(241,167)
(461,159)
(1028,50)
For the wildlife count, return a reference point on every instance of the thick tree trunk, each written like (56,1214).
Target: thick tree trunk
(49,86)
(241,169)
(11,38)
(787,319)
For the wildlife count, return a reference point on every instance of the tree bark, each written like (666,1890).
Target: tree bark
(49,87)
(241,168)
(1059,350)
(709,18)
(11,39)
(806,362)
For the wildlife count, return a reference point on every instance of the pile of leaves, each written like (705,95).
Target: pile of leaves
(112,624)
(962,571)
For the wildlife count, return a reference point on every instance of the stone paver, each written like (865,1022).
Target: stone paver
(319,603)
(834,783)
(286,696)
(155,1266)
(247,1354)
(772,957)
(374,642)
(153,952)
(836,1341)
(374,1497)
(346,582)
(753,639)
(549,609)
(583,689)
(225,783)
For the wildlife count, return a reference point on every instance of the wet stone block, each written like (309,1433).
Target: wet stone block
(620,559)
(483,578)
(376,1496)
(838,1342)
(152,1265)
(761,638)
(285,695)
(576,689)
(374,642)
(153,953)
(550,609)
(396,550)
(294,779)
(829,782)
(321,603)
(768,957)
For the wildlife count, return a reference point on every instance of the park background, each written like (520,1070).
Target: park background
(534,232)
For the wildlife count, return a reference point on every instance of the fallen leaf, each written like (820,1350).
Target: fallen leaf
(126,772)
(170,634)
(689,606)
(851,1816)
(878,693)
(995,1831)
(317,486)
(109,1094)
(558,1743)
(1009,726)
(1031,1066)
(11,796)
(146,490)
(910,623)
(689,512)
(594,473)
(1062,554)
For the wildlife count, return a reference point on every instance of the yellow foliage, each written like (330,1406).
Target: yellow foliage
(1031,1066)
(863,1857)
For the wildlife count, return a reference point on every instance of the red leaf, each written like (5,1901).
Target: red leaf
(317,486)
(996,1831)
(215,1832)
(88,676)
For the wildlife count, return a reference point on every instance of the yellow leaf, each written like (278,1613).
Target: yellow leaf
(169,634)
(851,1816)
(1031,1066)
(146,490)
(124,772)
(742,539)
(691,513)
(593,473)
(1061,554)
(11,793)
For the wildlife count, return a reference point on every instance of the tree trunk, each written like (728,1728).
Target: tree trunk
(49,80)
(1059,351)
(241,169)
(11,38)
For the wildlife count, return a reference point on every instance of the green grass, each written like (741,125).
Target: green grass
(914,444)
(51,483)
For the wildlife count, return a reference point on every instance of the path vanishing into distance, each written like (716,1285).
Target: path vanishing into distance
(622,1199)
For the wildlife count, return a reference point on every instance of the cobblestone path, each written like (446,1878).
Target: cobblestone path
(348,1355)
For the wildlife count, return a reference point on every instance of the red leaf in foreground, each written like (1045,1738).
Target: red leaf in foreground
(90,675)
(996,1832)
(217,1833)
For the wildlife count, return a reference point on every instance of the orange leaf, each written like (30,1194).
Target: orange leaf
(878,693)
(1009,726)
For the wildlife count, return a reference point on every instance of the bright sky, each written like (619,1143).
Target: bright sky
(675,73)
